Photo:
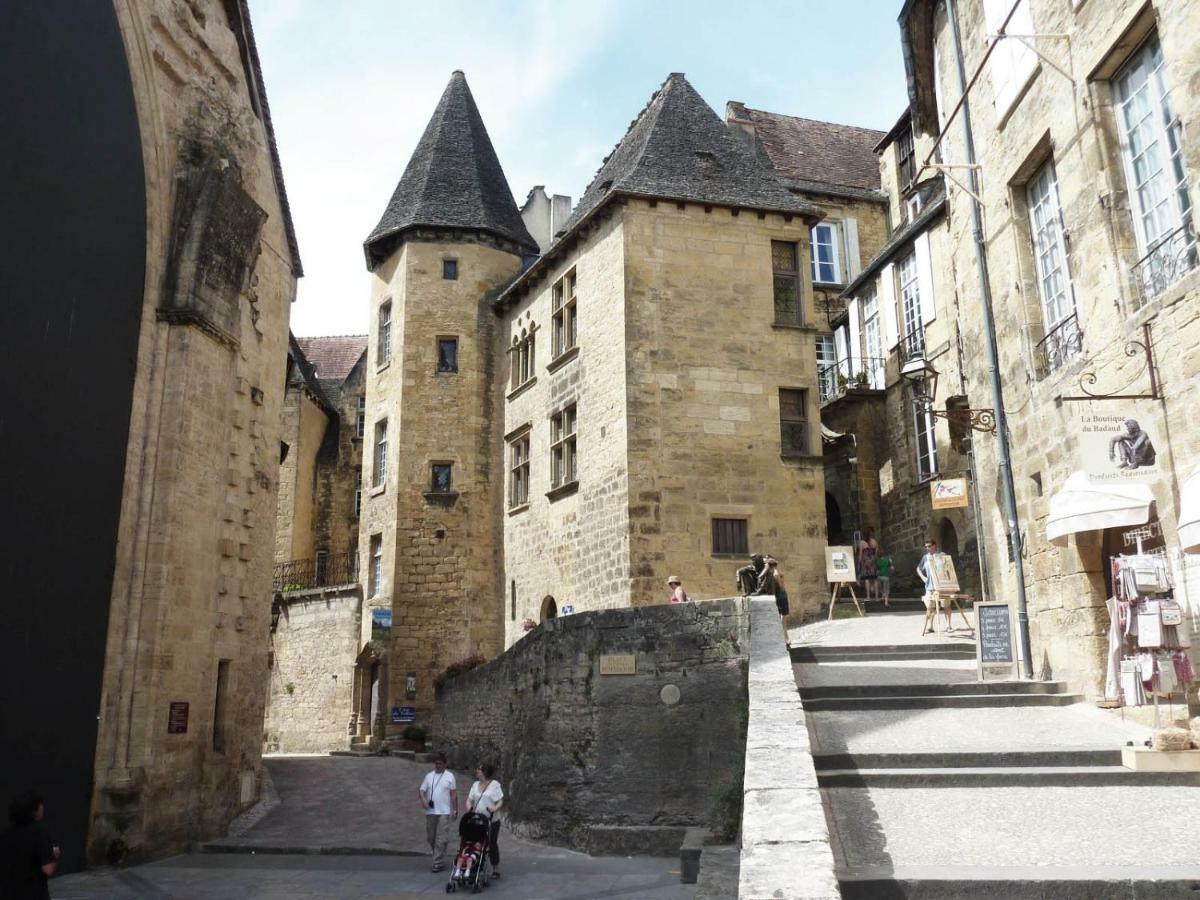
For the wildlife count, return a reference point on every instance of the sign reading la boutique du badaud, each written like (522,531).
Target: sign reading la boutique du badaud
(1119,442)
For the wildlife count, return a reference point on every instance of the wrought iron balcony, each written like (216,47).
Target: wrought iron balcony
(861,373)
(325,570)
(1062,344)
(1169,259)
(911,346)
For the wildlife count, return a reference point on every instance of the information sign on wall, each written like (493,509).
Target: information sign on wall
(177,717)
(402,714)
(948,493)
(618,664)
(381,624)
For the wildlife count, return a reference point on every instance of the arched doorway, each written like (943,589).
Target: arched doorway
(948,540)
(549,609)
(833,520)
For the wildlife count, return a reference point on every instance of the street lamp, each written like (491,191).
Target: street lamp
(923,377)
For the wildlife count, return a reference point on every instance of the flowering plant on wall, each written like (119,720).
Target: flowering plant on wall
(528,624)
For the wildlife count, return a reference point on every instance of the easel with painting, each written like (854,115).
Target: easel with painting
(839,571)
(944,594)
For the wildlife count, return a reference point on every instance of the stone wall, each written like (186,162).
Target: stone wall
(311,671)
(191,594)
(586,565)
(605,762)
(440,552)
(1075,127)
(339,471)
(705,367)
(303,429)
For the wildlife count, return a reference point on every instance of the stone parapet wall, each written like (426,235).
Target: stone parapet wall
(580,752)
(785,839)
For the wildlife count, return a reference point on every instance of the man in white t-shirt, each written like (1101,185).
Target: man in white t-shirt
(439,800)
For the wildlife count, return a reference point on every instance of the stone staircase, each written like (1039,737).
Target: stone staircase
(937,785)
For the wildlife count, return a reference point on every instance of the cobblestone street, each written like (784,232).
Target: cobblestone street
(358,820)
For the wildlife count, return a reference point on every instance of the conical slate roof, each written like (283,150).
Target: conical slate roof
(680,149)
(453,180)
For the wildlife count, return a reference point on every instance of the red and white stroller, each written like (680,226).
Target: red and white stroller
(471,866)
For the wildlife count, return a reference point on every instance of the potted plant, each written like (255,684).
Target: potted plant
(841,382)
(862,380)
(414,738)
(528,625)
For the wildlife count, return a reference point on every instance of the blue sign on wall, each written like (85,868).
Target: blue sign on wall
(402,714)
(381,624)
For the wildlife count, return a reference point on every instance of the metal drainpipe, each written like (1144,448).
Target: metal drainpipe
(1012,523)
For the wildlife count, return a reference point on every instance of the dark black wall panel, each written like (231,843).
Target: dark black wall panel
(72,270)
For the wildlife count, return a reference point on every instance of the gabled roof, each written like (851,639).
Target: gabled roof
(333,356)
(453,180)
(805,150)
(678,148)
(301,371)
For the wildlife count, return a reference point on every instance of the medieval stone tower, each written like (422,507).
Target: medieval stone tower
(450,239)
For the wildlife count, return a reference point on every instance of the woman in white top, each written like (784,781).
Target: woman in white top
(487,797)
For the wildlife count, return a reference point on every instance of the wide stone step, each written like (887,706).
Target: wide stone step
(1004,776)
(961,701)
(828,692)
(883,652)
(952,882)
(967,759)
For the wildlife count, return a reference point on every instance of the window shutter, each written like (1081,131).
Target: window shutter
(850,235)
(887,306)
(839,342)
(1012,63)
(925,278)
(855,337)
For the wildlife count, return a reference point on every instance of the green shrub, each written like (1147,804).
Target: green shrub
(727,812)
(414,733)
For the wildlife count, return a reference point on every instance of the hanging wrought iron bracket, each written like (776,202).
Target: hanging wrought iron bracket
(983,420)
(1144,347)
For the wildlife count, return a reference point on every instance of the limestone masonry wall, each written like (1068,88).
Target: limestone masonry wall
(585,757)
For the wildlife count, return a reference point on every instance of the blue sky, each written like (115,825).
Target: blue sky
(352,84)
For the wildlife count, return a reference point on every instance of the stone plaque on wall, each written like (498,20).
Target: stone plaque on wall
(618,664)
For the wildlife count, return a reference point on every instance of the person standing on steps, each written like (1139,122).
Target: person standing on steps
(883,569)
(773,580)
(868,553)
(439,800)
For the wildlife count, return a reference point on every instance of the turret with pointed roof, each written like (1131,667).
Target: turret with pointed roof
(453,180)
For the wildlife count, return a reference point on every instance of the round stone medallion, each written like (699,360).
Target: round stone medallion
(669,694)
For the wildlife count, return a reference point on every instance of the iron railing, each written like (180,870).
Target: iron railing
(325,570)
(1171,257)
(1062,344)
(911,345)
(861,373)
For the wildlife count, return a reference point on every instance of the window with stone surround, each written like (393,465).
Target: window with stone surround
(793,422)
(730,537)
(925,438)
(565,316)
(518,490)
(384,350)
(360,425)
(447,355)
(913,336)
(786,268)
(906,158)
(563,453)
(826,267)
(1153,157)
(1062,340)
(441,478)
(380,470)
(375,575)
(450,269)
(522,357)
(221,707)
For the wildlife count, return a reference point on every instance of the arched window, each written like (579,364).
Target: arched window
(549,609)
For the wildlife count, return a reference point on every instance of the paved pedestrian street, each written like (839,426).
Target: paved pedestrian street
(350,828)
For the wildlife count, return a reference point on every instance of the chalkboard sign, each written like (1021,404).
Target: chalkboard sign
(994,645)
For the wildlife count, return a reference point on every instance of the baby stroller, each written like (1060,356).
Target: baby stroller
(471,866)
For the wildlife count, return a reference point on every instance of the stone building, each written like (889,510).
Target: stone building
(318,629)
(156,264)
(1087,150)
(565,410)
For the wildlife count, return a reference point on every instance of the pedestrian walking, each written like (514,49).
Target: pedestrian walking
(28,857)
(883,569)
(487,797)
(678,594)
(772,574)
(439,800)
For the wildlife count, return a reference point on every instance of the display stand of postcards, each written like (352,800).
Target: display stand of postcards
(1145,633)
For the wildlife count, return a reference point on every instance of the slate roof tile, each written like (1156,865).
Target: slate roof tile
(453,180)
(333,356)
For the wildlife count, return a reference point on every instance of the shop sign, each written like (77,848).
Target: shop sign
(948,493)
(1119,442)
(994,641)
